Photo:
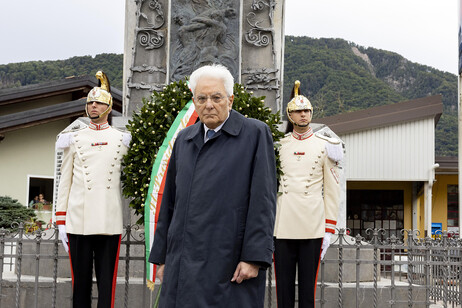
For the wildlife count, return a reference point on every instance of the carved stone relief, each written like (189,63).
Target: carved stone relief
(261,79)
(172,38)
(203,32)
(149,35)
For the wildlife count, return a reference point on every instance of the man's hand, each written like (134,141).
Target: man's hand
(160,272)
(245,271)
(63,237)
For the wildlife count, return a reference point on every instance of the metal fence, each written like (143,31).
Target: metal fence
(370,271)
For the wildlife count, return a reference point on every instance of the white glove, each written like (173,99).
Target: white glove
(63,237)
(325,244)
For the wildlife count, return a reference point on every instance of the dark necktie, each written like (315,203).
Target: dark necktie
(210,133)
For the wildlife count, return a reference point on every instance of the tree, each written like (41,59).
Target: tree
(11,211)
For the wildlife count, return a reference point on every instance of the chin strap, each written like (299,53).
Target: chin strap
(99,116)
(295,124)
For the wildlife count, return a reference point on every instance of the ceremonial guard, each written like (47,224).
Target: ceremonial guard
(307,204)
(89,207)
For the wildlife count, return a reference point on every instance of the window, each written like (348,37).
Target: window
(375,209)
(453,206)
(40,185)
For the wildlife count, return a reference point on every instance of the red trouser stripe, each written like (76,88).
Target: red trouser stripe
(114,278)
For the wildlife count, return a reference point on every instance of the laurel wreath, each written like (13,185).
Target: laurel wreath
(150,125)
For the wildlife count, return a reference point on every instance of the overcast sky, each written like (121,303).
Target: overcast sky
(423,31)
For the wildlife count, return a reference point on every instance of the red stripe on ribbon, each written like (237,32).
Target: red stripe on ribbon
(191,121)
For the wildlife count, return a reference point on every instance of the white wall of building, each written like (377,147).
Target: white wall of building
(28,151)
(402,152)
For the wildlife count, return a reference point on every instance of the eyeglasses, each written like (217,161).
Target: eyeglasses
(216,98)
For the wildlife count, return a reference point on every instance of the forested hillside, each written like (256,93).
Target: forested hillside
(20,74)
(339,76)
(336,75)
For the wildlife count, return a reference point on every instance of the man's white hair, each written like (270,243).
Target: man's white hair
(216,71)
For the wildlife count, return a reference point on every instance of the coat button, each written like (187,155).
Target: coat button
(88,180)
(307,186)
(79,147)
(108,187)
(118,145)
(306,193)
(284,178)
(112,165)
(110,172)
(89,188)
(115,158)
(285,191)
(311,173)
(322,151)
(109,179)
(85,166)
(87,173)
(81,153)
(316,161)
(313,167)
(319,156)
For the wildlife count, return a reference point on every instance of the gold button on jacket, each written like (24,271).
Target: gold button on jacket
(309,191)
(87,204)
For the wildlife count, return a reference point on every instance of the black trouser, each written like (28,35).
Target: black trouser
(104,250)
(287,255)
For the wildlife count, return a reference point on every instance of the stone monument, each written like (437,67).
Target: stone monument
(167,40)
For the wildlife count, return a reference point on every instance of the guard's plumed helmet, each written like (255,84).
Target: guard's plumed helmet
(299,102)
(100,94)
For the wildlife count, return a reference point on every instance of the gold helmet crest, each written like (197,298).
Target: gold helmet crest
(101,93)
(299,102)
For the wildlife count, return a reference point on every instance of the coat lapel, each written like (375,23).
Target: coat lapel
(234,123)
(196,134)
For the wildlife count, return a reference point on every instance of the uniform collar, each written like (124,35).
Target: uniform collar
(303,136)
(95,126)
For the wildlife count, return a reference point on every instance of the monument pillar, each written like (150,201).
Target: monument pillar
(167,40)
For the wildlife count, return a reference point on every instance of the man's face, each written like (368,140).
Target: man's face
(301,117)
(211,102)
(94,109)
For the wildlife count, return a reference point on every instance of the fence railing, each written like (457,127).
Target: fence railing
(361,271)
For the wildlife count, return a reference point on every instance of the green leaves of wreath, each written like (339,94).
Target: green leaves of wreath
(149,128)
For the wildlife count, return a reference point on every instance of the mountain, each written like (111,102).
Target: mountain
(336,75)
(24,73)
(340,76)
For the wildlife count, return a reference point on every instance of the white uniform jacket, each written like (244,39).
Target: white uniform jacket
(309,191)
(89,194)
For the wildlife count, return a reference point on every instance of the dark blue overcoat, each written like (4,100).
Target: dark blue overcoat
(217,209)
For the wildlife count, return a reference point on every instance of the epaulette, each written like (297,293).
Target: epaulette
(333,147)
(65,138)
(328,138)
(122,130)
(127,137)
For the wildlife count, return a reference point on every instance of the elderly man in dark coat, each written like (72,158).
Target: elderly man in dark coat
(214,236)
